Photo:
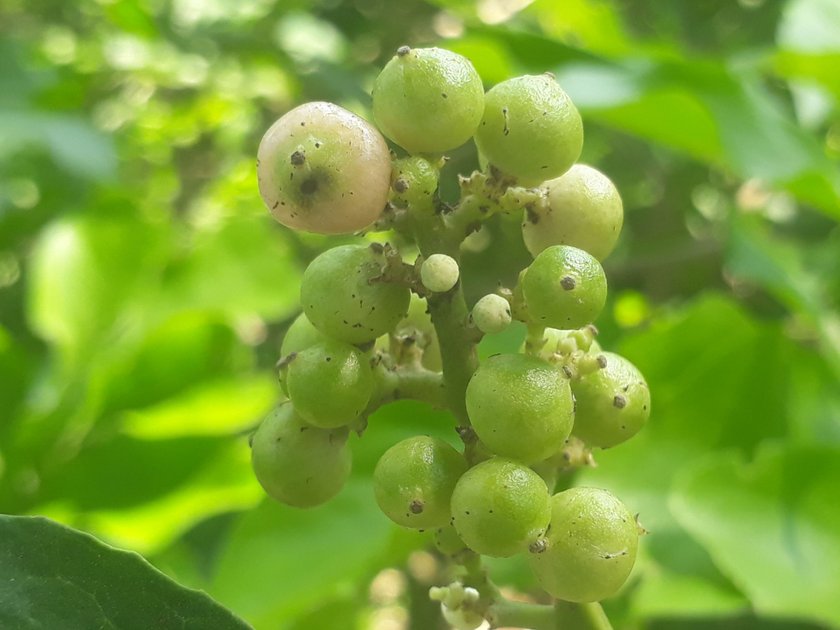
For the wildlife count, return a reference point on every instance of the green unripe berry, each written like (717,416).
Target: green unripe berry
(531,130)
(589,548)
(300,335)
(613,403)
(342,297)
(414,479)
(428,100)
(448,542)
(491,314)
(520,407)
(439,273)
(414,181)
(330,383)
(499,507)
(584,210)
(564,287)
(323,169)
(297,464)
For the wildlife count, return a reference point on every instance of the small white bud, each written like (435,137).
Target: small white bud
(439,273)
(491,314)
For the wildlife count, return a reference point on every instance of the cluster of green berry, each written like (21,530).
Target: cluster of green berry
(381,322)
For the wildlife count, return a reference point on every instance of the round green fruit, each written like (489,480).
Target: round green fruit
(531,130)
(584,210)
(297,464)
(564,287)
(590,546)
(499,507)
(428,100)
(520,407)
(342,297)
(300,335)
(414,479)
(330,383)
(448,542)
(323,169)
(414,181)
(613,403)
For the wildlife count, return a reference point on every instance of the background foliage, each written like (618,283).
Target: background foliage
(144,291)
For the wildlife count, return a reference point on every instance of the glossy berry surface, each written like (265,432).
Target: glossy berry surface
(323,169)
(520,407)
(297,464)
(499,507)
(414,479)
(590,546)
(584,211)
(564,287)
(531,130)
(428,100)
(342,298)
(613,403)
(330,383)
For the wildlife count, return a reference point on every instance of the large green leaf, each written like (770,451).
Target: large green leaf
(55,577)
(771,525)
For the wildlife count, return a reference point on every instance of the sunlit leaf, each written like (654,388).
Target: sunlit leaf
(771,526)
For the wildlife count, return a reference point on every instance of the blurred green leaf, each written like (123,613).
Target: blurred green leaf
(281,561)
(185,349)
(770,525)
(810,26)
(85,273)
(55,577)
(779,267)
(70,140)
(188,480)
(213,408)
(242,267)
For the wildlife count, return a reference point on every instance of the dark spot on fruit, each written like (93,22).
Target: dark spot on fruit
(329,359)
(402,51)
(619,402)
(317,145)
(400,185)
(309,186)
(298,158)
(568,283)
(416,506)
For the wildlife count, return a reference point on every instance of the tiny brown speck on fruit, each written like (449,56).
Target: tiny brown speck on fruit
(619,402)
